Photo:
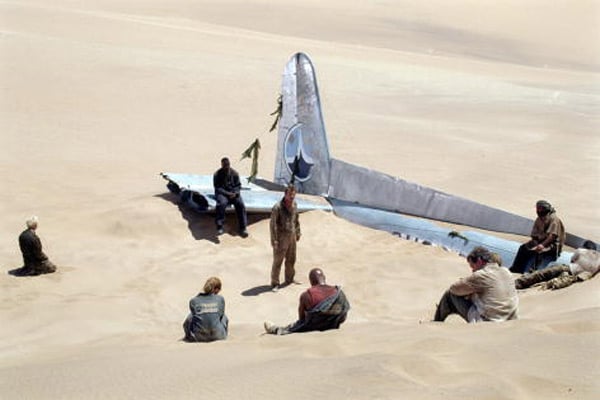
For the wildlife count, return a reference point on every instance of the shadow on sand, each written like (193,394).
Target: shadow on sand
(22,271)
(202,226)
(18,272)
(255,291)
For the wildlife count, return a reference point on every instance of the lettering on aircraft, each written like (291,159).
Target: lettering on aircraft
(297,155)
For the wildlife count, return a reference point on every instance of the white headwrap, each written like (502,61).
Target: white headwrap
(32,222)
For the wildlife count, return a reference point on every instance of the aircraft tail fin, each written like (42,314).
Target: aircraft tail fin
(303,158)
(302,149)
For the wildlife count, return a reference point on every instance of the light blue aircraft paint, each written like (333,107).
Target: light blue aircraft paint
(428,233)
(197,192)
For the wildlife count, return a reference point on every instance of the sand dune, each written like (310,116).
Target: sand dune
(495,102)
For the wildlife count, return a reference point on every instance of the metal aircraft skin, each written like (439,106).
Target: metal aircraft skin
(358,194)
(197,192)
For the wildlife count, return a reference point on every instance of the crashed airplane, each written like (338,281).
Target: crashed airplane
(358,194)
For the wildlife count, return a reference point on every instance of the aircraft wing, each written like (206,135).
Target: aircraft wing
(197,191)
(427,232)
(375,189)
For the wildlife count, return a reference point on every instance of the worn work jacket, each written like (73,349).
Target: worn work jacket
(492,291)
(208,319)
(284,222)
(545,226)
(226,183)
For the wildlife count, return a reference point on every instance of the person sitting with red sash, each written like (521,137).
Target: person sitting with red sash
(321,307)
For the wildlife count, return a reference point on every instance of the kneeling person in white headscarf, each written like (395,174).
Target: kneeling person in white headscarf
(34,260)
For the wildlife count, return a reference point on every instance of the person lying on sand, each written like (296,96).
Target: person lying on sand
(488,294)
(585,264)
(321,307)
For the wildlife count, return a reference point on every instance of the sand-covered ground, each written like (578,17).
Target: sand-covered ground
(494,101)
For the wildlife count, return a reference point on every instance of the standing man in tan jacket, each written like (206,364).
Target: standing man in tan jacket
(488,294)
(285,232)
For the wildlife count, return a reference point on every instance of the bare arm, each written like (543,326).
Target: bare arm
(551,238)
(303,306)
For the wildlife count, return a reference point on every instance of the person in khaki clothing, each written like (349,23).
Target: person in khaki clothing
(584,265)
(547,239)
(285,232)
(488,294)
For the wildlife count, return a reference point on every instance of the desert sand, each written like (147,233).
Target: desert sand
(494,101)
